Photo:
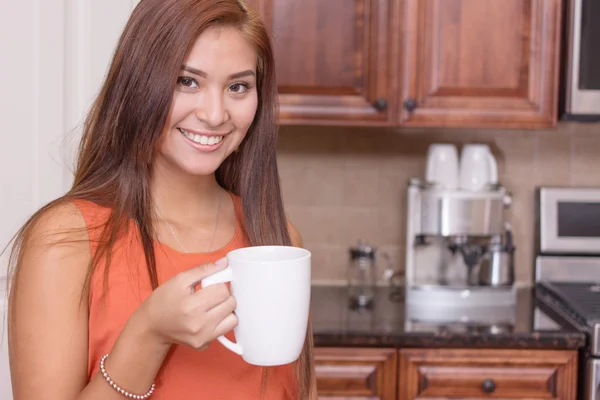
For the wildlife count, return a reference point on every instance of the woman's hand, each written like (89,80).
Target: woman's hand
(180,312)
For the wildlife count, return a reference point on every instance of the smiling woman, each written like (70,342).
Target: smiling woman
(176,168)
(214,104)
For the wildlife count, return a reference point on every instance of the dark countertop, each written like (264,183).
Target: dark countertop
(387,325)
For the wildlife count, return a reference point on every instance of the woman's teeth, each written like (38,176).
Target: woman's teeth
(209,140)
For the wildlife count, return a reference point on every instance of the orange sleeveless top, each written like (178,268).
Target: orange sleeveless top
(212,374)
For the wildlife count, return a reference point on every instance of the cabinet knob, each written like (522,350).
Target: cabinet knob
(410,105)
(380,104)
(488,386)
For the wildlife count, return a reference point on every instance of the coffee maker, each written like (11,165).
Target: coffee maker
(459,247)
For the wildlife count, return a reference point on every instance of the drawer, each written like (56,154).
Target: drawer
(481,373)
(356,373)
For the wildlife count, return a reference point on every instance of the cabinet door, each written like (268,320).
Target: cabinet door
(473,373)
(356,373)
(480,63)
(333,60)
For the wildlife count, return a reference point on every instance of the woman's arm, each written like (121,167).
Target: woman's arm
(48,320)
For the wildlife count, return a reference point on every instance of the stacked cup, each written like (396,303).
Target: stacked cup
(477,167)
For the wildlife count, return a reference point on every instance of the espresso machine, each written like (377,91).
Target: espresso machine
(459,248)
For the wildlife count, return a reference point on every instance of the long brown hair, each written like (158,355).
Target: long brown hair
(125,122)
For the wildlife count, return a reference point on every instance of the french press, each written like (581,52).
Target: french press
(362,274)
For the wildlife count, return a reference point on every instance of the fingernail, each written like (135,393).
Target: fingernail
(221,262)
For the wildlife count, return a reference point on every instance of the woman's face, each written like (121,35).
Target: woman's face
(213,105)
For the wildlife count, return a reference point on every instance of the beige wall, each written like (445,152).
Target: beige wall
(341,184)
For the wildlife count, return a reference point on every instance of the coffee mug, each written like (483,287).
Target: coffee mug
(478,167)
(442,165)
(271,285)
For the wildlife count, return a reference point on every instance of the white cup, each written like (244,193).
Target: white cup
(442,165)
(271,285)
(478,167)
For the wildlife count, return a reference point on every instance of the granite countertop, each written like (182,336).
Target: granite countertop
(388,324)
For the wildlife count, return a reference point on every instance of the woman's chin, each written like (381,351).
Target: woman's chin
(200,171)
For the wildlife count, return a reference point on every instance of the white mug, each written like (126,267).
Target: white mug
(478,167)
(271,285)
(442,165)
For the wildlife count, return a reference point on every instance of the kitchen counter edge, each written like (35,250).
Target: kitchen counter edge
(560,340)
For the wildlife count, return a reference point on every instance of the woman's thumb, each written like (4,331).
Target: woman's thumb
(193,276)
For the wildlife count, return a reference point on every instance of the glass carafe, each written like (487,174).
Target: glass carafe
(362,274)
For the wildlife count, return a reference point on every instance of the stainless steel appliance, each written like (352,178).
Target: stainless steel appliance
(582,81)
(459,247)
(567,269)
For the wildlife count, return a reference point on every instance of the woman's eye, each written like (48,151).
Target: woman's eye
(186,81)
(239,88)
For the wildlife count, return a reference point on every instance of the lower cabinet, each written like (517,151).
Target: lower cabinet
(406,374)
(356,373)
(479,373)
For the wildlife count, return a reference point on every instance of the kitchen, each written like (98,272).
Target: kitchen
(359,112)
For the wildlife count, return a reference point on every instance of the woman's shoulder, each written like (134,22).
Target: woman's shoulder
(59,220)
(57,231)
(295,237)
(90,210)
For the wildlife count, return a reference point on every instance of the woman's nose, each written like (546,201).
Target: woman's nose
(211,109)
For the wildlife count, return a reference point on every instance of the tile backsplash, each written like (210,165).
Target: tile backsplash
(342,184)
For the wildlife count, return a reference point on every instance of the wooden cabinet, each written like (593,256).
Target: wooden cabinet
(334,60)
(426,63)
(469,373)
(356,373)
(407,374)
(480,63)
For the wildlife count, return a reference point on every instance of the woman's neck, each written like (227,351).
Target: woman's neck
(184,198)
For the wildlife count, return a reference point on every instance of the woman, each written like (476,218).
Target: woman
(177,167)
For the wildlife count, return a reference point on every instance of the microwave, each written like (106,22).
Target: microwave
(568,221)
(582,80)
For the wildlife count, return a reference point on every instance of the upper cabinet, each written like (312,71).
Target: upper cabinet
(480,63)
(425,63)
(334,60)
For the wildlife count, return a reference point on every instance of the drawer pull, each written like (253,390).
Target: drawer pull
(488,386)
(410,105)
(380,104)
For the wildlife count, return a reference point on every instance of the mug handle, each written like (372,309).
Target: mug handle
(223,276)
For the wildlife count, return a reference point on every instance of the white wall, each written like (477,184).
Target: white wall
(54,55)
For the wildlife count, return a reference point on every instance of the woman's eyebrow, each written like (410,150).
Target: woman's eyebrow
(203,74)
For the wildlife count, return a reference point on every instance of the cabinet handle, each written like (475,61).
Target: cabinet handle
(488,386)
(410,105)
(380,104)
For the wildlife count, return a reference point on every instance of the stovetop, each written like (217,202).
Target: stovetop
(577,301)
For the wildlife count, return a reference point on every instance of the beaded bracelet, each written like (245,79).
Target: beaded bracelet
(118,388)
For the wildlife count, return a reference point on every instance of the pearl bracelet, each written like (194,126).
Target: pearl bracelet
(118,388)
